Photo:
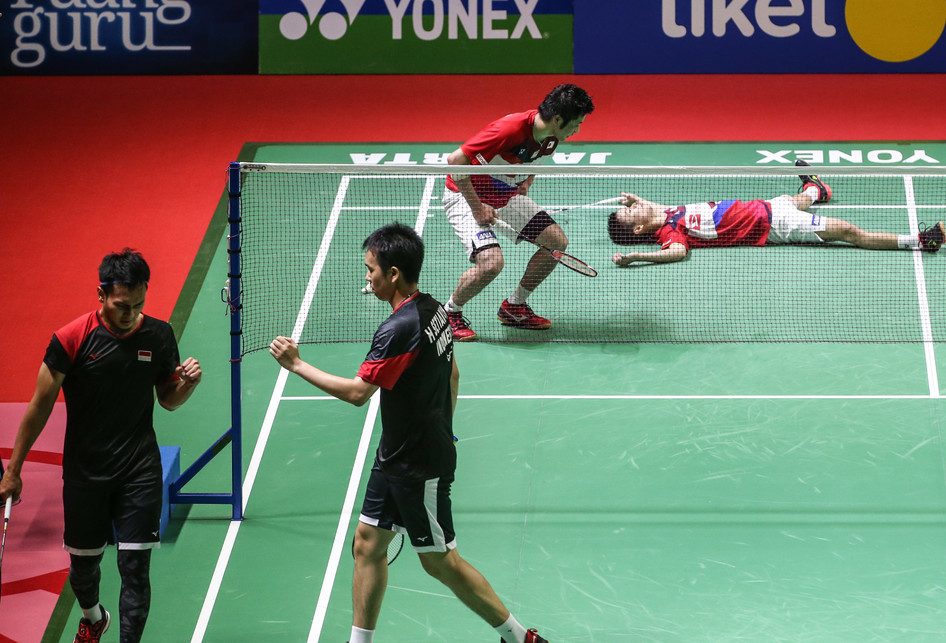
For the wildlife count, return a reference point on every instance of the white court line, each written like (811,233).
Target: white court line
(316,398)
(923,302)
(227,549)
(341,530)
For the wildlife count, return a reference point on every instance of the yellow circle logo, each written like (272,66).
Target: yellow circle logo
(895,30)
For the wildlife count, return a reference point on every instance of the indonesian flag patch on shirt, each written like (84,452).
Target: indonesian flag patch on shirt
(144,356)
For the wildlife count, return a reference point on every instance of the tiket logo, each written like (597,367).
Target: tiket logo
(886,30)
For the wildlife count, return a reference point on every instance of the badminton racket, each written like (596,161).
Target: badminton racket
(6,521)
(611,201)
(395,547)
(569,261)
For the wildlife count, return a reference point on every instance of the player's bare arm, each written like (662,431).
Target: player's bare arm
(525,185)
(673,252)
(483,213)
(651,207)
(48,384)
(172,394)
(352,390)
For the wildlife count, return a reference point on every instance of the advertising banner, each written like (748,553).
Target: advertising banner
(72,37)
(415,36)
(759,36)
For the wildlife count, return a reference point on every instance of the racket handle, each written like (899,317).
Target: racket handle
(616,199)
(7,508)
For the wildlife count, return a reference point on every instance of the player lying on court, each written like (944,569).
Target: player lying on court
(782,220)
(412,361)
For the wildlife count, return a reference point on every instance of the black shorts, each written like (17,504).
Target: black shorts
(132,508)
(536,226)
(419,508)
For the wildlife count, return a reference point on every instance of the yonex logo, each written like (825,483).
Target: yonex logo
(332,25)
(851,155)
(429,19)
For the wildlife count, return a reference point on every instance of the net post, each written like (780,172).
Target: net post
(234,436)
(236,411)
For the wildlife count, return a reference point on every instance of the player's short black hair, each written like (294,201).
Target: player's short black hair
(568,101)
(127,268)
(397,245)
(622,234)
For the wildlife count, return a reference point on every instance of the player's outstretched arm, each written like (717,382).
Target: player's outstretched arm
(354,390)
(673,252)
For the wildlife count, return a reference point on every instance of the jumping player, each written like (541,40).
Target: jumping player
(411,359)
(109,364)
(474,202)
(752,223)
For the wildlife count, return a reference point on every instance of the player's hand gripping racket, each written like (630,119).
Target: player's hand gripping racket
(567,260)
(6,520)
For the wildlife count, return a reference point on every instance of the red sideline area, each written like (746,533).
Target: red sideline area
(93,164)
(35,566)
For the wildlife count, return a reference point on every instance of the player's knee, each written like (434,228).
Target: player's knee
(368,545)
(84,576)
(489,263)
(437,565)
(134,564)
(840,230)
(553,237)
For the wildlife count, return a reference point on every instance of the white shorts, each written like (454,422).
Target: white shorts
(791,225)
(475,237)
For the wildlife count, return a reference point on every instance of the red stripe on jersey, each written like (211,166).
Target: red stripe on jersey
(74,333)
(385,372)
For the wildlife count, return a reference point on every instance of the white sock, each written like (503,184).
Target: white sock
(907,241)
(813,192)
(359,635)
(94,614)
(451,307)
(512,631)
(519,296)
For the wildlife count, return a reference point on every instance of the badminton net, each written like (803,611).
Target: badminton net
(302,273)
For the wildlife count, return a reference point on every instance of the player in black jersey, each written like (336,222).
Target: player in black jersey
(411,360)
(109,364)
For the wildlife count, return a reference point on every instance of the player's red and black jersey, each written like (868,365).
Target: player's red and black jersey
(723,223)
(411,360)
(506,142)
(109,392)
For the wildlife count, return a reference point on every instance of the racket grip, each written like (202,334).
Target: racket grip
(7,508)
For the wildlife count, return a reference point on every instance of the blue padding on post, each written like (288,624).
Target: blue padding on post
(170,471)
